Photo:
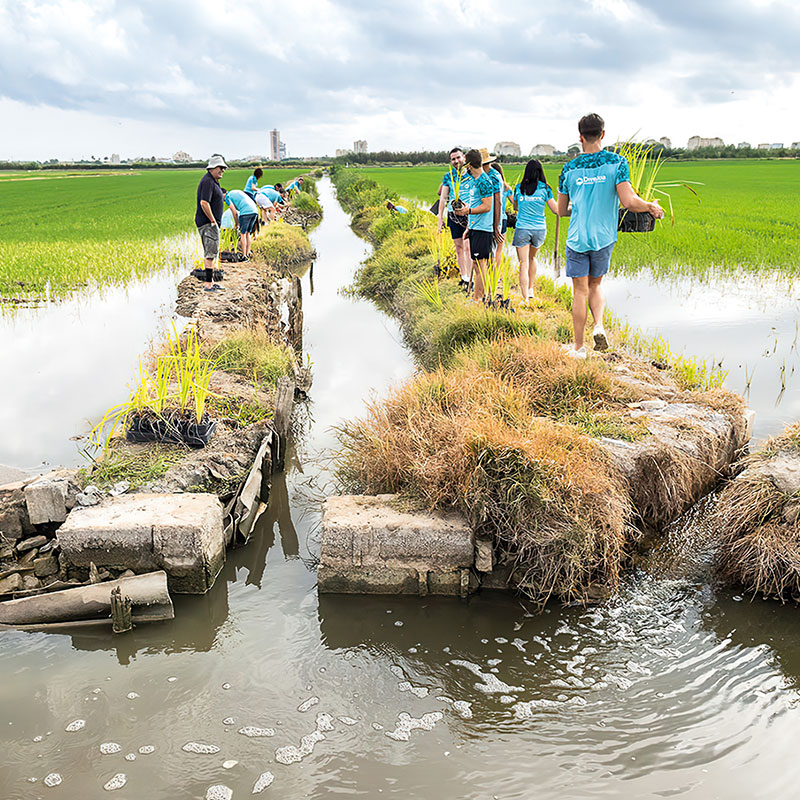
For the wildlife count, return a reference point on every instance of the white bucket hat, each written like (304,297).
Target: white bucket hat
(216,161)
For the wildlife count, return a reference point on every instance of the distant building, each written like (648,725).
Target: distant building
(666,141)
(181,157)
(695,142)
(341,153)
(543,150)
(764,146)
(776,146)
(360,146)
(275,144)
(743,146)
(283,150)
(574,149)
(795,145)
(115,158)
(507,149)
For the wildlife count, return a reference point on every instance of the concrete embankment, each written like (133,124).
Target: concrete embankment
(130,512)
(558,466)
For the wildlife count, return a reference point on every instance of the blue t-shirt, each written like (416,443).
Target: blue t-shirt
(271,193)
(494,176)
(241,202)
(479,189)
(251,187)
(590,180)
(530,207)
(450,180)
(401,210)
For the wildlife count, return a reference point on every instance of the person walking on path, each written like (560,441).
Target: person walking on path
(531,196)
(590,190)
(245,214)
(481,219)
(251,187)
(455,186)
(208,213)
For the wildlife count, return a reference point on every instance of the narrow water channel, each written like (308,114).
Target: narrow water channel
(670,690)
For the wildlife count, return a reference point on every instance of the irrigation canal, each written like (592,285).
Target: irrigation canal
(670,690)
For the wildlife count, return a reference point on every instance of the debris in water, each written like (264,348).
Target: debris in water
(226,686)
(171,679)
(398,623)
(229,764)
(107,748)
(306,704)
(146,749)
(75,725)
(252,732)
(406,723)
(229,721)
(264,781)
(200,748)
(133,695)
(53,779)
(219,792)
(501,640)
(117,782)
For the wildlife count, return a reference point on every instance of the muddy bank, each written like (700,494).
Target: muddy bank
(758,518)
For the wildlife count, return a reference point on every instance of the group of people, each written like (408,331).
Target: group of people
(246,209)
(472,203)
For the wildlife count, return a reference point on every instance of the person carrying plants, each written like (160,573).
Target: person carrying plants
(481,217)
(454,189)
(590,190)
(208,213)
(531,196)
(245,214)
(251,187)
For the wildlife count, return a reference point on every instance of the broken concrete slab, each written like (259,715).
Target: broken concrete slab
(12,583)
(370,545)
(28,544)
(181,534)
(44,566)
(46,501)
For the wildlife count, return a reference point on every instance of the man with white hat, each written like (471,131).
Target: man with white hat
(208,215)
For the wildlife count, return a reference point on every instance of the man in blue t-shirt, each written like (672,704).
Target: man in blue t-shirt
(245,214)
(455,186)
(481,219)
(590,190)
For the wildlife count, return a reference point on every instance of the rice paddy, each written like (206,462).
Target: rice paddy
(746,217)
(59,234)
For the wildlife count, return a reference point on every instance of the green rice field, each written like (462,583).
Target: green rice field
(61,233)
(747,217)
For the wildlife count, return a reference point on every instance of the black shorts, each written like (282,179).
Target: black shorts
(480,244)
(456,230)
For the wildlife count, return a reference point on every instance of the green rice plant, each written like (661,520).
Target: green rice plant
(491,277)
(229,239)
(253,354)
(429,290)
(508,274)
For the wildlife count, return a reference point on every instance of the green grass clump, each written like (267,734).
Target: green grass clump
(252,354)
(280,244)
(307,203)
(138,465)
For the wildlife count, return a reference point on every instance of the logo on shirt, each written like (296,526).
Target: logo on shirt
(590,179)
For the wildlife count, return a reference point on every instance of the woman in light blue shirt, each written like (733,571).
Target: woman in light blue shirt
(530,198)
(251,187)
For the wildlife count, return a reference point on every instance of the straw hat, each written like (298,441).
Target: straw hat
(486,157)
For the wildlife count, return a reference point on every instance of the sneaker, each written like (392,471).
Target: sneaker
(600,339)
(579,353)
(215,288)
(531,295)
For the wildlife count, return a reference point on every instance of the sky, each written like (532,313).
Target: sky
(151,77)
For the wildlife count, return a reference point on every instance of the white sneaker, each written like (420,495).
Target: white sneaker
(531,295)
(600,339)
(579,353)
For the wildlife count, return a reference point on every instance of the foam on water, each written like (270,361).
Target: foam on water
(264,781)
(130,757)
(107,748)
(417,691)
(490,684)
(147,749)
(229,764)
(348,720)
(306,704)
(463,708)
(53,779)
(219,792)
(252,732)
(200,748)
(117,782)
(406,723)
(75,725)
(291,754)
(133,695)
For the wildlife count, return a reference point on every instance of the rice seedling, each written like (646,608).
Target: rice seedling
(508,276)
(229,239)
(429,290)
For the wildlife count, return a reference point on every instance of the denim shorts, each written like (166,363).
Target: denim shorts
(593,263)
(529,236)
(209,235)
(247,222)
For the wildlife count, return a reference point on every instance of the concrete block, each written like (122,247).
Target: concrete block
(44,566)
(371,546)
(483,554)
(12,583)
(46,501)
(179,533)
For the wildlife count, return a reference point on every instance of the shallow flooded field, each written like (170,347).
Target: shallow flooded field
(672,689)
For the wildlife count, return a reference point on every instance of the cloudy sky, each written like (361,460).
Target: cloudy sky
(149,77)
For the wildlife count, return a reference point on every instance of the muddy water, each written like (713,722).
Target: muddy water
(670,690)
(64,364)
